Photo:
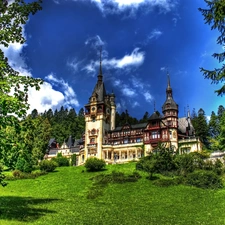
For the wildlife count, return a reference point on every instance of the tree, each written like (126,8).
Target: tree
(221,137)
(13,106)
(214,15)
(213,125)
(201,127)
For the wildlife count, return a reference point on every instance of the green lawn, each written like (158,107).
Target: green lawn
(61,198)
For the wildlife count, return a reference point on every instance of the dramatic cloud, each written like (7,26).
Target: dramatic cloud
(70,98)
(46,97)
(134,59)
(118,6)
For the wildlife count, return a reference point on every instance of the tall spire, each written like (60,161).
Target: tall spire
(100,66)
(169,103)
(169,93)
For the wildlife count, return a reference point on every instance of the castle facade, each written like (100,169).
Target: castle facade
(103,140)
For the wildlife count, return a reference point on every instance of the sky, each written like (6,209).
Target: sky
(142,41)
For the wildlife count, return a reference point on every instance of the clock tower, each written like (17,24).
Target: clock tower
(99,118)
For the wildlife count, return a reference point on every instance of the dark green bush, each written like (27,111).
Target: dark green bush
(61,160)
(185,164)
(94,164)
(73,160)
(204,179)
(47,165)
(17,174)
(218,167)
(167,182)
(24,165)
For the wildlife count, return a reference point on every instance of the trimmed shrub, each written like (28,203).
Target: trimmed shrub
(204,179)
(61,160)
(47,165)
(94,164)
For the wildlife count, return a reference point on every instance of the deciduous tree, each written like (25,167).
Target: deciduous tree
(13,106)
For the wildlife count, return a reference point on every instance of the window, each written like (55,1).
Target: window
(138,140)
(93,131)
(92,140)
(155,135)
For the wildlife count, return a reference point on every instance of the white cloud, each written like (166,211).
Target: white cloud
(155,34)
(45,98)
(70,98)
(134,59)
(127,91)
(148,96)
(118,6)
(135,104)
(74,64)
(163,68)
(95,41)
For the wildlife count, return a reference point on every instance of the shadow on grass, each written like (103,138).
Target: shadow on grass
(23,208)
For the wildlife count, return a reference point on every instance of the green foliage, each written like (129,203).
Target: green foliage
(48,165)
(201,127)
(24,165)
(214,15)
(94,164)
(185,164)
(2,177)
(61,160)
(17,174)
(162,161)
(73,160)
(204,179)
(13,106)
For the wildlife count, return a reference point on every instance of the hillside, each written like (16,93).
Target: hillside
(61,197)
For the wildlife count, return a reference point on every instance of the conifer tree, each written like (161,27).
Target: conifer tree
(214,15)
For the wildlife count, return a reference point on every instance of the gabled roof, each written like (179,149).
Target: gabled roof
(155,116)
(185,126)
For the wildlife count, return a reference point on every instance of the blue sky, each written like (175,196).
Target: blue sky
(141,41)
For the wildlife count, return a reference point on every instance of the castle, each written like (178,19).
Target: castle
(102,139)
(130,142)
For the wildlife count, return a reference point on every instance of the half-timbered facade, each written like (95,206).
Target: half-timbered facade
(130,142)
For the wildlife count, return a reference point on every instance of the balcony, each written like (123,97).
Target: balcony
(190,139)
(92,145)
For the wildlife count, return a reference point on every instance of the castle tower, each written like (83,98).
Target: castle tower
(170,121)
(113,111)
(98,119)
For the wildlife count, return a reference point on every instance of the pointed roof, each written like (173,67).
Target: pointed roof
(99,90)
(169,103)
(155,116)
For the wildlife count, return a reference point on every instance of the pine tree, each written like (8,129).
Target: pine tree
(214,15)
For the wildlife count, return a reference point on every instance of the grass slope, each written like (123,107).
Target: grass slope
(61,198)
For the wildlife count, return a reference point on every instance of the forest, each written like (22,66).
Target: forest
(29,144)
